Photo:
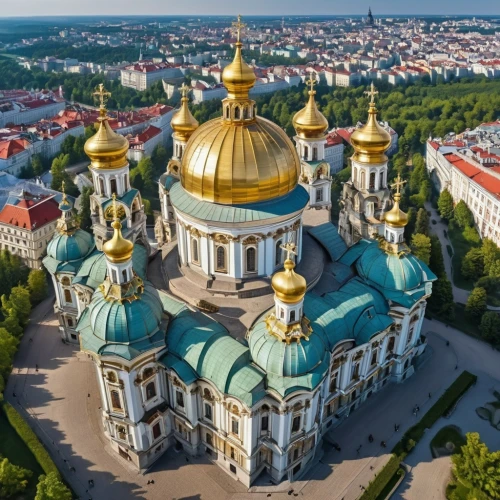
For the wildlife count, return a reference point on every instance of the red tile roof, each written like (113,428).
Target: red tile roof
(487,181)
(12,147)
(333,139)
(31,213)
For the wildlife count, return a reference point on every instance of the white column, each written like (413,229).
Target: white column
(204,253)
(261,257)
(269,255)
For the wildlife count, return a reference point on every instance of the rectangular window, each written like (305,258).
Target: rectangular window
(296,424)
(156,430)
(265,423)
(208,411)
(319,195)
(235,426)
(374,357)
(179,398)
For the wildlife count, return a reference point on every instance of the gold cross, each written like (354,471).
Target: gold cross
(372,93)
(289,248)
(399,183)
(237,27)
(312,81)
(103,95)
(184,90)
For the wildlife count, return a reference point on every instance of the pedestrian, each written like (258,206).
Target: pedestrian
(152,481)
(36,367)
(370,438)
(418,409)
(447,342)
(358,449)
(430,395)
(383,444)
(14,395)
(456,367)
(396,427)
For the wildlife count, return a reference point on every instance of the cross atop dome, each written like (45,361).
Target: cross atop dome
(290,248)
(237,26)
(398,184)
(102,95)
(184,90)
(371,93)
(311,82)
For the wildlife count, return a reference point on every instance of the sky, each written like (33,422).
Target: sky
(253,7)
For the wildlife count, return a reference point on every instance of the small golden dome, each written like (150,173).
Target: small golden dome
(238,77)
(183,122)
(118,249)
(371,141)
(309,122)
(289,286)
(106,149)
(395,217)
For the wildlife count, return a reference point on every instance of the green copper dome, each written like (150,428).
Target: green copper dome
(125,322)
(286,360)
(66,247)
(389,271)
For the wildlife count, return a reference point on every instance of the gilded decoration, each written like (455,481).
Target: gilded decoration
(109,213)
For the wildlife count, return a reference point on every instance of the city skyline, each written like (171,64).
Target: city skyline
(258,7)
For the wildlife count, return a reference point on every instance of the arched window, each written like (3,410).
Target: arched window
(101,185)
(67,296)
(381,180)
(315,153)
(113,186)
(245,113)
(194,251)
(355,175)
(150,390)
(70,322)
(279,253)
(292,316)
(372,180)
(221,259)
(362,180)
(124,274)
(237,113)
(251,266)
(227,112)
(115,400)
(306,152)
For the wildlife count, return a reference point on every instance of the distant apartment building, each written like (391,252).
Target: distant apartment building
(334,152)
(27,223)
(18,112)
(143,144)
(141,75)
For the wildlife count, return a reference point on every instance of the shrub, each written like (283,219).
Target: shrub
(29,437)
(385,475)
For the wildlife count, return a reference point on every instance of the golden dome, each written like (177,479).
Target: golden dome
(309,122)
(371,141)
(238,77)
(183,122)
(106,149)
(395,217)
(289,286)
(118,249)
(239,158)
(231,164)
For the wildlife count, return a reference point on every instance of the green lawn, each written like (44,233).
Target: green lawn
(448,434)
(13,448)
(461,322)
(460,247)
(388,487)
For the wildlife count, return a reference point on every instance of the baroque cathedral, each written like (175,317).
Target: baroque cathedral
(274,323)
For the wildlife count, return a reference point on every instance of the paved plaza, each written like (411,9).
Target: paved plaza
(61,402)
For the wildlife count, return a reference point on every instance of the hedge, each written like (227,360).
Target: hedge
(413,435)
(30,438)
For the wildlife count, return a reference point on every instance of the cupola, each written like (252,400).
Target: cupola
(183,122)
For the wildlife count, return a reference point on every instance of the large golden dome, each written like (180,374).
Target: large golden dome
(183,122)
(239,158)
(289,286)
(309,122)
(106,149)
(371,141)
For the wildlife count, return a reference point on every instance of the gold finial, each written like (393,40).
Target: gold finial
(103,95)
(184,90)
(398,184)
(311,83)
(237,27)
(371,93)
(289,247)
(63,189)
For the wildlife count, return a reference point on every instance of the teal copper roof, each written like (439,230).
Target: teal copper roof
(391,272)
(64,247)
(286,360)
(125,322)
(127,198)
(293,202)
(328,236)
(167,181)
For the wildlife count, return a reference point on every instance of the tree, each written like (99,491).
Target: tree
(445,205)
(473,264)
(18,304)
(490,327)
(59,174)
(37,284)
(491,254)
(495,269)
(84,214)
(13,479)
(436,261)
(441,301)
(422,224)
(50,487)
(37,164)
(477,466)
(145,168)
(90,130)
(462,215)
(421,247)
(8,347)
(476,303)
(159,158)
